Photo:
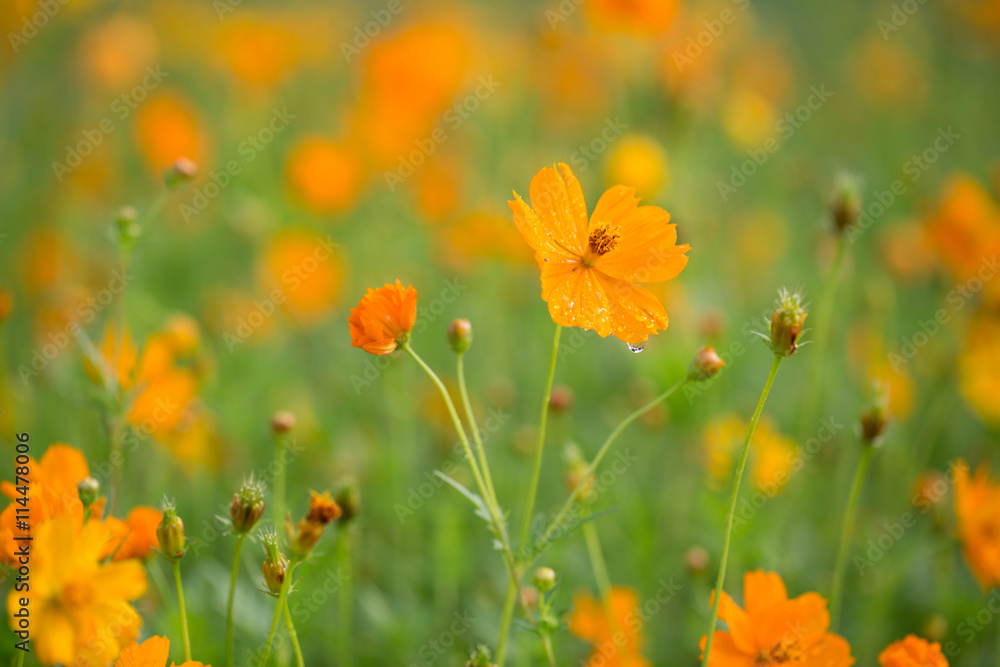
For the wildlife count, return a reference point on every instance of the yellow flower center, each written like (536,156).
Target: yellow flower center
(785,651)
(604,239)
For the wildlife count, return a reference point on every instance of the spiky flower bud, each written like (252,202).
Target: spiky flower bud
(706,364)
(89,489)
(170,533)
(875,418)
(275,565)
(181,171)
(545,579)
(845,208)
(283,421)
(248,506)
(786,323)
(460,335)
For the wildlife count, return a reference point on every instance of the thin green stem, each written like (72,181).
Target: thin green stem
(510,600)
(345,626)
(470,417)
(824,320)
(846,532)
(180,598)
(232,596)
(495,518)
(282,595)
(597,561)
(294,635)
(279,483)
(733,496)
(559,522)
(20,659)
(549,653)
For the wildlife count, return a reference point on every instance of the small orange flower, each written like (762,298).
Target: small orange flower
(977,505)
(383,319)
(153,652)
(617,643)
(912,652)
(774,629)
(591,270)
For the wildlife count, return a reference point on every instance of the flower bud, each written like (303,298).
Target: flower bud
(126,224)
(845,208)
(248,506)
(275,565)
(561,399)
(283,421)
(786,323)
(349,500)
(181,171)
(545,579)
(875,418)
(460,335)
(696,559)
(322,510)
(89,489)
(481,657)
(170,533)
(706,364)
(6,304)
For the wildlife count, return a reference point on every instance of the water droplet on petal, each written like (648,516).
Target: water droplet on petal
(637,348)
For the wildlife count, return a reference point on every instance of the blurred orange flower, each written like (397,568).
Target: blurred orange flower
(774,629)
(979,368)
(638,159)
(590,270)
(383,319)
(912,652)
(80,611)
(118,358)
(977,506)
(302,270)
(614,629)
(773,453)
(135,537)
(640,17)
(154,652)
(116,52)
(168,127)
(324,175)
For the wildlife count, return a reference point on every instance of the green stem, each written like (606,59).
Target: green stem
(510,600)
(558,523)
(498,525)
(232,596)
(824,319)
(470,417)
(837,588)
(180,598)
(549,653)
(295,637)
(20,659)
(345,627)
(279,483)
(282,595)
(597,561)
(733,496)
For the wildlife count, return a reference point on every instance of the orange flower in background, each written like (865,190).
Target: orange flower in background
(117,52)
(383,319)
(591,621)
(168,127)
(80,609)
(591,270)
(480,235)
(638,159)
(305,272)
(772,456)
(977,506)
(324,175)
(154,652)
(979,368)
(912,652)
(774,630)
(117,357)
(259,51)
(135,537)
(907,252)
(640,17)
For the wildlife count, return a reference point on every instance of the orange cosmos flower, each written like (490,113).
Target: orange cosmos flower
(615,645)
(324,175)
(135,537)
(153,652)
(640,17)
(591,270)
(774,630)
(912,652)
(384,318)
(977,505)
(979,368)
(80,609)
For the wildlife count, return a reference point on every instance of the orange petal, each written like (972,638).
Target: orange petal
(804,619)
(762,590)
(556,221)
(830,651)
(740,630)
(646,251)
(725,652)
(151,653)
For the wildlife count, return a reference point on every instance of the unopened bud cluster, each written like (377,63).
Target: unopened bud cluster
(787,323)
